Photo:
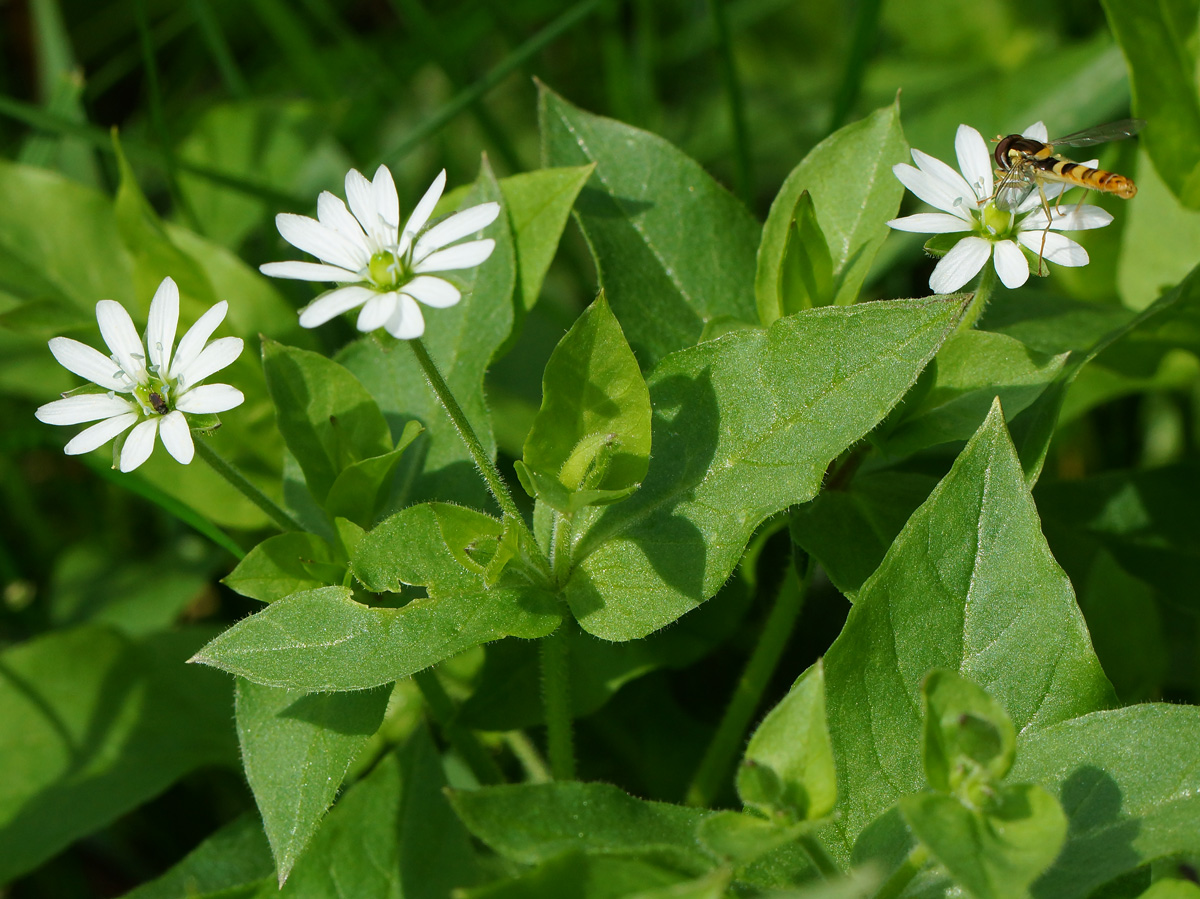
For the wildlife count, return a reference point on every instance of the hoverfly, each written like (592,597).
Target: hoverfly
(1027,164)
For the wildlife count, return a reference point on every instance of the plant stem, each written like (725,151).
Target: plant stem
(731,732)
(463,739)
(983,293)
(226,470)
(556,701)
(527,754)
(816,852)
(483,462)
(737,108)
(902,876)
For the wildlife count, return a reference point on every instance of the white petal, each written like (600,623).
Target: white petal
(139,444)
(176,436)
(422,211)
(433,291)
(930,223)
(955,183)
(73,410)
(974,160)
(459,225)
(332,213)
(332,304)
(99,434)
(160,329)
(323,242)
(360,196)
(376,311)
(116,327)
(309,271)
(88,363)
(1037,131)
(1076,218)
(463,255)
(1010,264)
(1058,248)
(960,265)
(212,358)
(406,322)
(933,191)
(387,202)
(197,336)
(210,398)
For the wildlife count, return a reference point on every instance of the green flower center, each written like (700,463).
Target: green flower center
(997,223)
(154,396)
(388,271)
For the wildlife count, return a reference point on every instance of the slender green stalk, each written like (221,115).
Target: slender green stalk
(737,107)
(241,482)
(731,732)
(866,24)
(159,119)
(214,38)
(983,293)
(527,754)
(814,850)
(509,64)
(463,739)
(902,876)
(556,701)
(100,138)
(483,462)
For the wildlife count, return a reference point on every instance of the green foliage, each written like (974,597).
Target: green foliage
(927,567)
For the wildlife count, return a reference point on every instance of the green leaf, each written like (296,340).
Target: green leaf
(296,749)
(806,276)
(743,838)
(969,585)
(95,724)
(849,177)
(326,416)
(997,852)
(1128,782)
(324,640)
(532,823)
(462,341)
(1172,889)
(592,432)
(236,856)
(286,564)
(674,250)
(968,740)
(744,426)
(538,204)
(1163,81)
(849,527)
(574,875)
(360,489)
(392,834)
(787,771)
(971,369)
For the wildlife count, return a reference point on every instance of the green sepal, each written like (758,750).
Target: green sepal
(788,771)
(968,741)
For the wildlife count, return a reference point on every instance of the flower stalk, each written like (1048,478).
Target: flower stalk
(243,485)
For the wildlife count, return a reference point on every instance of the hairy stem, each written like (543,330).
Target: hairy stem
(731,732)
(227,470)
(902,876)
(556,701)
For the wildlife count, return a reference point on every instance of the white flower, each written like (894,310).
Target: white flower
(384,267)
(969,208)
(154,397)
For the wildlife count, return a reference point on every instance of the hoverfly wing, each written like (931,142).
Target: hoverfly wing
(1101,134)
(1013,189)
